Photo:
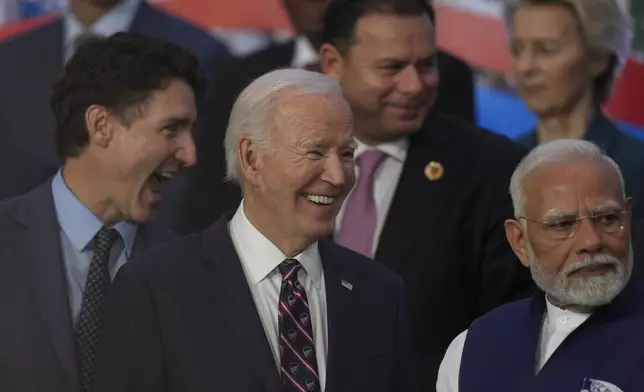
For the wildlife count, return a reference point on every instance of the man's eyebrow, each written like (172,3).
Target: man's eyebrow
(179,121)
(314,144)
(557,213)
(610,205)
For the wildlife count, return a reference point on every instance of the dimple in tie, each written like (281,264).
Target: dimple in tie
(95,294)
(298,363)
(360,214)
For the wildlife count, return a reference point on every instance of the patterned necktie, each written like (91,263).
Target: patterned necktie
(360,214)
(95,294)
(298,364)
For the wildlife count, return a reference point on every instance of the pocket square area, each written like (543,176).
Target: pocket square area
(592,385)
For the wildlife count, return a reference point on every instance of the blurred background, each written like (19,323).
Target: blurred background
(470,29)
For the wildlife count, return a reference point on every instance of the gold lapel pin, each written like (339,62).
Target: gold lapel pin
(434,171)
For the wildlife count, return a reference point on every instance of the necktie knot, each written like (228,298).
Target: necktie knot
(288,268)
(104,239)
(369,162)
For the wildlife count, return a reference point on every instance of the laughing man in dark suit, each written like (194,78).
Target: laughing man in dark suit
(261,301)
(124,111)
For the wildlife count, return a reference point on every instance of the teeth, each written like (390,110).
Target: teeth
(318,199)
(166,175)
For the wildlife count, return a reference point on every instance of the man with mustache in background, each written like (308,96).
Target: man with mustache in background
(431,193)
(572,229)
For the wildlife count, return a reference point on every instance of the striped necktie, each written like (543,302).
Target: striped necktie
(298,363)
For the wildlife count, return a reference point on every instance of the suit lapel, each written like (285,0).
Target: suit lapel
(417,196)
(342,303)
(149,235)
(234,300)
(40,256)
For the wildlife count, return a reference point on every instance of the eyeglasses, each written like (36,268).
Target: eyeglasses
(561,228)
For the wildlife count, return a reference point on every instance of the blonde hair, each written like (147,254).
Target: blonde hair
(605,28)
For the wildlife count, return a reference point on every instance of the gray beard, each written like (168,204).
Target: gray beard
(564,290)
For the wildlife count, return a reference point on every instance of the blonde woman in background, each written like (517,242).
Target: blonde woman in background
(566,55)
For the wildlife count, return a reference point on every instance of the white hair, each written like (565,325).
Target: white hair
(605,27)
(558,151)
(252,113)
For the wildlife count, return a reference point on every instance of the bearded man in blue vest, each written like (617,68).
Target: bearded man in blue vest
(583,330)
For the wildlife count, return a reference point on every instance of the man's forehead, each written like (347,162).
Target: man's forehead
(374,29)
(570,186)
(295,105)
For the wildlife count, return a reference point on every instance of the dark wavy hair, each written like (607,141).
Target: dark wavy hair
(120,73)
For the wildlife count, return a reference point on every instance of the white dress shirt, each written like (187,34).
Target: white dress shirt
(557,325)
(260,258)
(303,53)
(116,20)
(386,179)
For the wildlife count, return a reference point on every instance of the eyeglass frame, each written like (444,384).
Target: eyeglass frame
(545,225)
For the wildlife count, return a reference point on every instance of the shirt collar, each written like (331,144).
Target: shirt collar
(304,53)
(115,20)
(79,223)
(563,320)
(396,150)
(260,256)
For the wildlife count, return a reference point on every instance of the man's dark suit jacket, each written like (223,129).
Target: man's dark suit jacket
(210,196)
(36,335)
(32,63)
(182,319)
(446,238)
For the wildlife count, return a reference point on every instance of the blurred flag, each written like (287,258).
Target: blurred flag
(30,8)
(14,10)
(9,11)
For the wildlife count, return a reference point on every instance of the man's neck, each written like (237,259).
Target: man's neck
(571,308)
(290,247)
(87,13)
(572,124)
(88,188)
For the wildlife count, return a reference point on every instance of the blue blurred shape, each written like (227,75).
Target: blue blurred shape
(505,113)
(29,9)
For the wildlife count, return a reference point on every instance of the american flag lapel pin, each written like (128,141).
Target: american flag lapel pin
(347,285)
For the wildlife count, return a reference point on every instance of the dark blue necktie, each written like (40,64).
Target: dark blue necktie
(90,319)
(298,364)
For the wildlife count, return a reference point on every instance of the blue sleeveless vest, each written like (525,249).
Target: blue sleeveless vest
(501,347)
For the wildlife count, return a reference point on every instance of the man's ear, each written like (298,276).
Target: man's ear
(515,233)
(99,125)
(331,61)
(249,160)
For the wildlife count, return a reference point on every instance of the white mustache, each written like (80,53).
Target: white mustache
(592,261)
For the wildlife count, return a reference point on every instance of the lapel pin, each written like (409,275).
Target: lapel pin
(434,171)
(347,285)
